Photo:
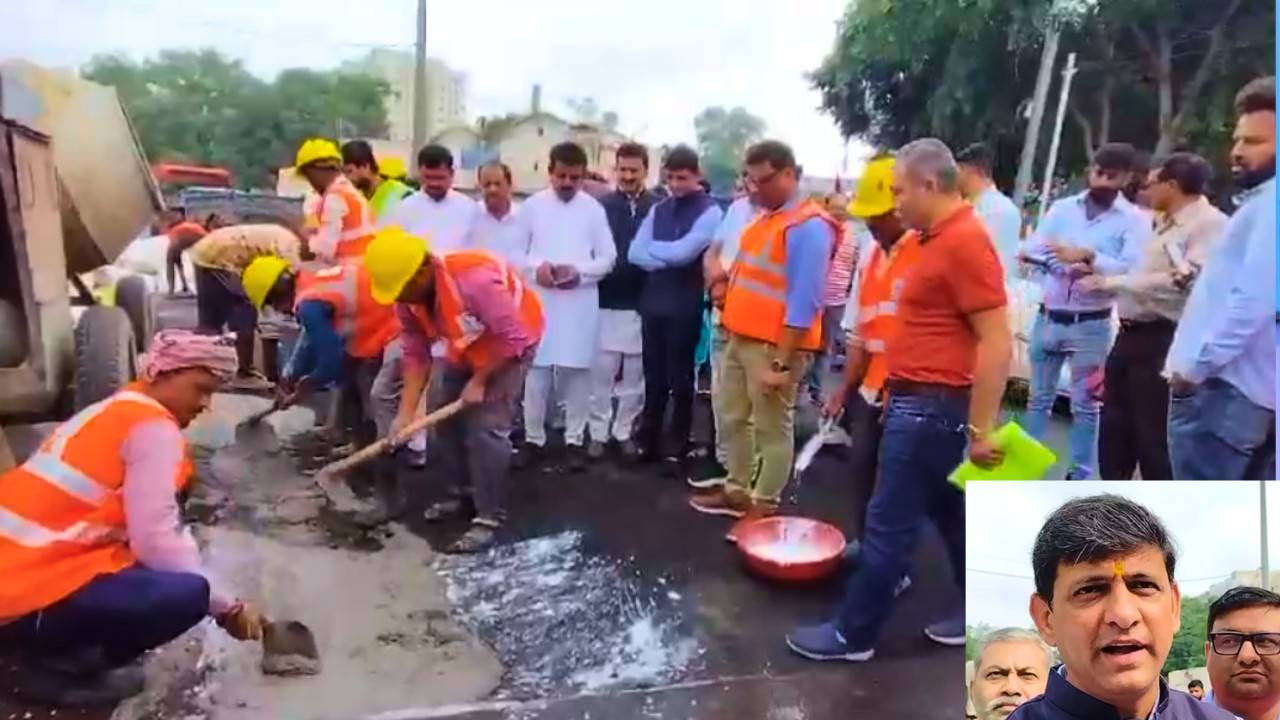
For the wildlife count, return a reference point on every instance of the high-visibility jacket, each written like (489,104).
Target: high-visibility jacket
(755,304)
(387,197)
(466,342)
(62,520)
(878,295)
(357,223)
(365,325)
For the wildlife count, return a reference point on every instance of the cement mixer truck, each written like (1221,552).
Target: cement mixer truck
(75,190)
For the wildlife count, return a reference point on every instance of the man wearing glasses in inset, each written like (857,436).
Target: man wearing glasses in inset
(1243,652)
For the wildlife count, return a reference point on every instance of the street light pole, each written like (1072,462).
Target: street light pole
(1048,57)
(420,81)
(1262,513)
(1052,162)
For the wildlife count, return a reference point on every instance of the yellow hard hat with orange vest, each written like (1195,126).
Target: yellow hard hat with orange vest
(875,190)
(260,276)
(392,257)
(317,150)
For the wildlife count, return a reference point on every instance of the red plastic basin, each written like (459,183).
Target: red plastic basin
(791,549)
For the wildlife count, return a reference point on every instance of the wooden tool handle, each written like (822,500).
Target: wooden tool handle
(379,447)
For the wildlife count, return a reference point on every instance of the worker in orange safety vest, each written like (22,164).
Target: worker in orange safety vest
(342,218)
(773,314)
(347,341)
(872,317)
(490,325)
(96,566)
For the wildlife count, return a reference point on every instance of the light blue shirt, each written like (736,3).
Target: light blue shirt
(1004,225)
(1116,236)
(1227,330)
(648,255)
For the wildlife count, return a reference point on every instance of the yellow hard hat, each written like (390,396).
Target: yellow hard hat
(392,257)
(260,276)
(393,167)
(315,150)
(875,190)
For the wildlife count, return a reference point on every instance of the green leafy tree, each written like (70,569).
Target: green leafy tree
(973,635)
(201,107)
(1158,73)
(723,138)
(1188,643)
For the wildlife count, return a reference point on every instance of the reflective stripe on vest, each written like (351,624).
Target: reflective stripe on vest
(340,283)
(357,223)
(48,465)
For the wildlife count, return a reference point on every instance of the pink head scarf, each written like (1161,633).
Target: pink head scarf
(179,349)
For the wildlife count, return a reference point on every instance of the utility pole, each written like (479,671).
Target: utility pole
(1052,162)
(420,81)
(1048,57)
(1262,512)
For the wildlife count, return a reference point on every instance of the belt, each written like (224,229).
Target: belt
(894,386)
(1152,323)
(1067,317)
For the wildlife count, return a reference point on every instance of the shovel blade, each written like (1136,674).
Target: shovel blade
(289,648)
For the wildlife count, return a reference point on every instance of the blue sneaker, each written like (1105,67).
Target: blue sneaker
(949,632)
(824,642)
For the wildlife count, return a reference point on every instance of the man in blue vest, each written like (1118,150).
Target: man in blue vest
(669,247)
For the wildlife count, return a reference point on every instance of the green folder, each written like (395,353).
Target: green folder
(1025,458)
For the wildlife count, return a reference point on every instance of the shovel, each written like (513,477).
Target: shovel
(330,481)
(289,648)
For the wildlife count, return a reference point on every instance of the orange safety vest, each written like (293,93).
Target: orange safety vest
(755,305)
(466,340)
(878,295)
(357,223)
(62,519)
(365,325)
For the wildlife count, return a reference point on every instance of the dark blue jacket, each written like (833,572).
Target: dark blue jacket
(1063,701)
(675,291)
(620,289)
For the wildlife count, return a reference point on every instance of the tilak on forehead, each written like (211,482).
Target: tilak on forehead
(1117,568)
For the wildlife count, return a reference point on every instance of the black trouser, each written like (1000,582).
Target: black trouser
(1133,430)
(863,425)
(670,344)
(221,303)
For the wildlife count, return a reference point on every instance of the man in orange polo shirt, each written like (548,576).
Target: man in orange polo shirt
(947,368)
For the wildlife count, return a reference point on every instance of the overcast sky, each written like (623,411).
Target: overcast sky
(656,63)
(1215,526)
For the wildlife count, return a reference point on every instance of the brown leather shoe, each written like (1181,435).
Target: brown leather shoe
(728,502)
(760,509)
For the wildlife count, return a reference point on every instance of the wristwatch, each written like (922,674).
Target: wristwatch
(972,431)
(779,366)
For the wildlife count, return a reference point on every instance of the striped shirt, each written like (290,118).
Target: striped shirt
(840,276)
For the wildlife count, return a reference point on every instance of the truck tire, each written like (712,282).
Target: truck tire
(133,298)
(106,354)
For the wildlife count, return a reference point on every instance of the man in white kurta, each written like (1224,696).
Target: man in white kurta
(570,250)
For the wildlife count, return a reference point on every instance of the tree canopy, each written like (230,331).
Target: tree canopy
(201,107)
(1157,73)
(723,138)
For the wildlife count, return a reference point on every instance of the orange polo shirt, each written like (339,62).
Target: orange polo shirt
(957,274)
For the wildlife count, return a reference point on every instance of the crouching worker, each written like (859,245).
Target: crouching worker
(97,567)
(345,338)
(490,326)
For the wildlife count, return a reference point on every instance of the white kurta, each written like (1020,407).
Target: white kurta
(574,233)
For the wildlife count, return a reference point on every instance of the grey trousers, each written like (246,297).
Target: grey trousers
(471,451)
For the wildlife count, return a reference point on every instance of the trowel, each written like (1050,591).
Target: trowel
(330,480)
(289,648)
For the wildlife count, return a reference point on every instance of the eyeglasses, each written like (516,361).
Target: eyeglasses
(1229,643)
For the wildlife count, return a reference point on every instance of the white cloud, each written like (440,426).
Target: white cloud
(1215,525)
(657,63)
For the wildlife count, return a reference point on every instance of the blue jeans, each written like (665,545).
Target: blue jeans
(114,618)
(923,440)
(1083,347)
(1216,433)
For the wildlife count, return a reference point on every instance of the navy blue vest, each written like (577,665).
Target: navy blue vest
(674,292)
(1063,701)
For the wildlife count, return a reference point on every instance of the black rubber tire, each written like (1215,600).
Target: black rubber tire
(133,298)
(106,355)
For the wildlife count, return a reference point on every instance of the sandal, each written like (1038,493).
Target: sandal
(445,510)
(481,536)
